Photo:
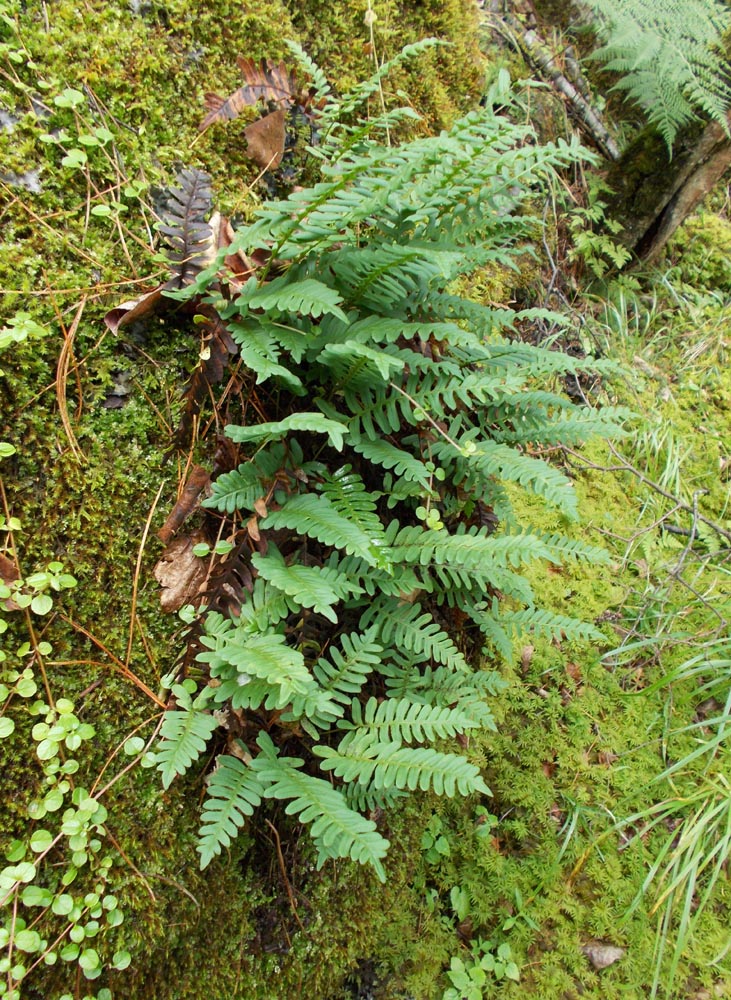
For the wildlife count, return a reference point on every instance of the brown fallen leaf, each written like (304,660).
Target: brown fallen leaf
(265,140)
(145,305)
(8,570)
(602,955)
(574,672)
(181,574)
(8,574)
(188,501)
(606,757)
(526,655)
(263,81)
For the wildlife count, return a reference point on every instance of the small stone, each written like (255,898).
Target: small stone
(602,955)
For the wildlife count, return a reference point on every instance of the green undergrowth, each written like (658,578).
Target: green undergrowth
(543,867)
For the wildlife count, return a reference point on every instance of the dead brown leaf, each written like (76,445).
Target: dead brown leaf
(181,574)
(263,81)
(8,570)
(573,670)
(9,573)
(188,501)
(145,305)
(265,140)
(526,655)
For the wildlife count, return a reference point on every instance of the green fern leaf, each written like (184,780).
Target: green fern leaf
(337,830)
(312,423)
(238,657)
(407,628)
(234,791)
(311,586)
(391,765)
(398,720)
(316,516)
(307,297)
(183,738)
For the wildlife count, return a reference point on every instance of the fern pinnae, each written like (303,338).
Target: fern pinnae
(401,720)
(337,830)
(183,738)
(234,792)
(391,765)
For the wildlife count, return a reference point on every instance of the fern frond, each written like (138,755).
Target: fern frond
(387,455)
(313,587)
(346,492)
(338,680)
(183,738)
(309,422)
(337,830)
(391,765)
(306,297)
(398,720)
(234,791)
(309,514)
(260,351)
(239,656)
(669,57)
(407,627)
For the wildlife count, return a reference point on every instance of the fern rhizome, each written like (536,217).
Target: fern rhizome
(375,548)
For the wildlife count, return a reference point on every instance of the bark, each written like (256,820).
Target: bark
(654,193)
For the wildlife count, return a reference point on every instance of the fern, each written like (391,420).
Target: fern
(410,629)
(234,792)
(370,504)
(668,56)
(390,765)
(338,831)
(311,586)
(316,516)
(183,735)
(399,720)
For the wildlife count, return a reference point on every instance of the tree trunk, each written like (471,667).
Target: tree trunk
(655,193)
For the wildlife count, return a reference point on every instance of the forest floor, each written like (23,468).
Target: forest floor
(599,868)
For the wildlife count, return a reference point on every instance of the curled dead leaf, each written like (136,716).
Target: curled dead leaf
(187,502)
(134,309)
